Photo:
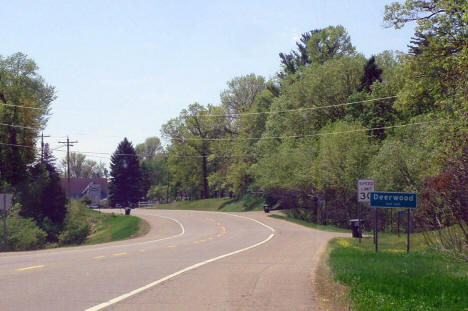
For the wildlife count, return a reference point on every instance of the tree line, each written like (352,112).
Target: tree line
(332,116)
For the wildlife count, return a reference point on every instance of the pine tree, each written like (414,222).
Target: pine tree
(125,184)
(372,73)
(42,196)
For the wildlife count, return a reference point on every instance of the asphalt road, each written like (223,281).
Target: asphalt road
(188,261)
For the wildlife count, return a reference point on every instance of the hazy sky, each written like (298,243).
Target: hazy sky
(124,68)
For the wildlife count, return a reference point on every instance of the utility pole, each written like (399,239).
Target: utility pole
(42,146)
(69,144)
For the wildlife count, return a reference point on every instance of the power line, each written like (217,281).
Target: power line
(27,107)
(17,145)
(292,110)
(305,135)
(19,126)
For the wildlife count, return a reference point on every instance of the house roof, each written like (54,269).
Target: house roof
(78,185)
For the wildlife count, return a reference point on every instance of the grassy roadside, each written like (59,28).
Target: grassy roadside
(394,280)
(111,227)
(216,205)
(309,224)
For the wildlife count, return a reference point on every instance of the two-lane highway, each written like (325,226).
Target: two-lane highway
(188,261)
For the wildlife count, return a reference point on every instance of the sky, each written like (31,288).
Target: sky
(124,68)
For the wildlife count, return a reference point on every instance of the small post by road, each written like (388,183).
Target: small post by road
(376,233)
(398,224)
(4,223)
(409,230)
(5,205)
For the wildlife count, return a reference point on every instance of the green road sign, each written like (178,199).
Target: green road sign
(393,199)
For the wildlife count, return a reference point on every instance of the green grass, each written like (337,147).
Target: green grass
(309,224)
(394,280)
(111,227)
(217,205)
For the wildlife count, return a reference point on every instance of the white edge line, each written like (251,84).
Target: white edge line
(192,267)
(265,225)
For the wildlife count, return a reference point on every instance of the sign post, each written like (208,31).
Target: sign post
(365,187)
(5,204)
(394,200)
(409,230)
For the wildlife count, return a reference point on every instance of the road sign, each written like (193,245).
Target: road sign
(393,199)
(365,187)
(5,201)
(401,212)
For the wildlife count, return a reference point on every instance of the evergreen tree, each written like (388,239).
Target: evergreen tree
(372,73)
(43,198)
(125,184)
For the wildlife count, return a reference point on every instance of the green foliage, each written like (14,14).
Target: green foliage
(243,204)
(394,280)
(76,226)
(317,46)
(125,184)
(42,197)
(22,233)
(157,192)
(80,167)
(304,222)
(114,228)
(86,200)
(20,84)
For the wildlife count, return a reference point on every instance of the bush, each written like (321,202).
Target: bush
(23,234)
(76,228)
(86,200)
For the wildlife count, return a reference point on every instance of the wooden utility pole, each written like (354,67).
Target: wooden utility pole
(69,144)
(42,146)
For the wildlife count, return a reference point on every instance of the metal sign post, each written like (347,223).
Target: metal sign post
(409,230)
(365,187)
(5,204)
(394,200)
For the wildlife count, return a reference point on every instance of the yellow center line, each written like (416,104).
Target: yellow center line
(171,246)
(120,254)
(99,257)
(202,241)
(195,242)
(29,268)
(142,250)
(210,238)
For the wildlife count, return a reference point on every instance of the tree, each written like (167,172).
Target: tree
(317,46)
(21,85)
(192,135)
(42,196)
(125,183)
(80,167)
(372,73)
(151,147)
(437,70)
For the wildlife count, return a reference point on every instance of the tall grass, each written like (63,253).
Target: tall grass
(394,280)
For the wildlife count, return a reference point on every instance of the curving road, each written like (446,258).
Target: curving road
(188,261)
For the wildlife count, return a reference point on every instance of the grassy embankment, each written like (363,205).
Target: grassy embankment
(310,224)
(112,227)
(394,280)
(390,279)
(218,205)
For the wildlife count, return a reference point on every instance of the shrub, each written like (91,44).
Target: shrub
(76,228)
(86,200)
(23,234)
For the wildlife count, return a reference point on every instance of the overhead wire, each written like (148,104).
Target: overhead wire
(304,135)
(293,110)
(26,107)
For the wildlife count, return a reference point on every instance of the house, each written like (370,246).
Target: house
(95,188)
